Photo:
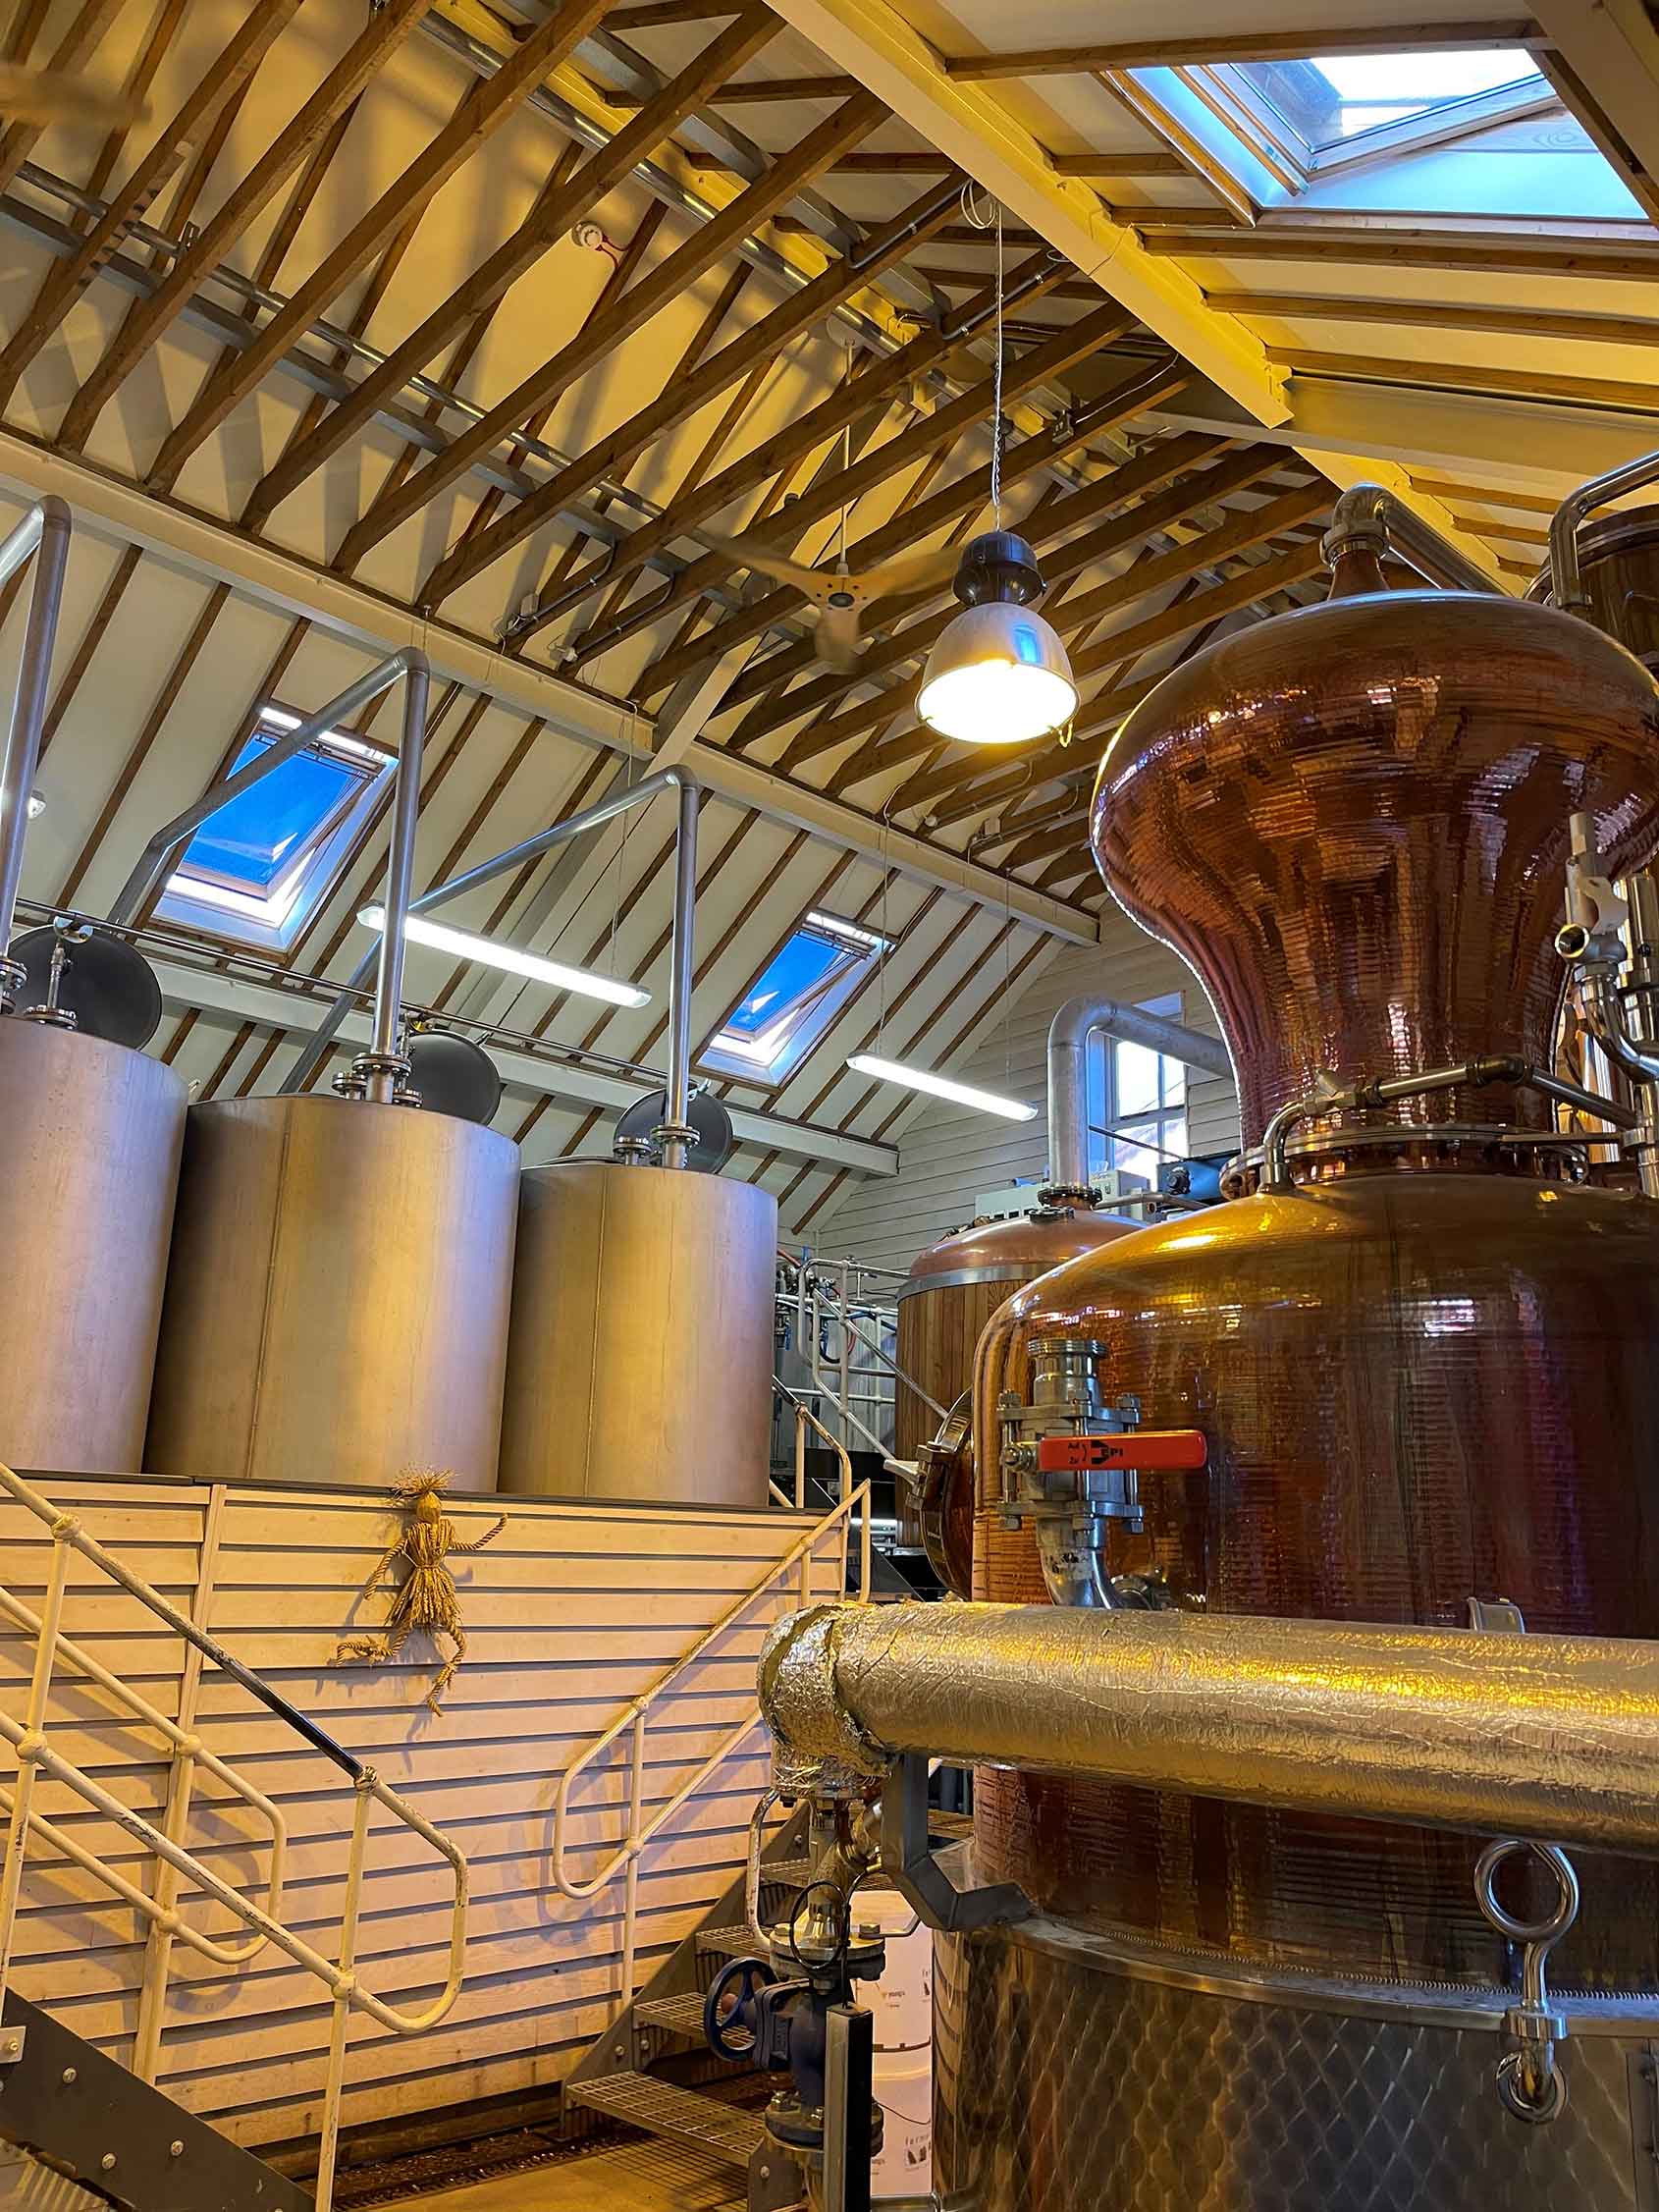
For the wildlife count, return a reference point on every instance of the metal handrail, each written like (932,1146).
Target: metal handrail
(631,1721)
(35,1756)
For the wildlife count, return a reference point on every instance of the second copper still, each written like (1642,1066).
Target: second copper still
(1421,1355)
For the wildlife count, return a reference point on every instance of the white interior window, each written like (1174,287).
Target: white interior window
(1136,1105)
(793,1000)
(259,869)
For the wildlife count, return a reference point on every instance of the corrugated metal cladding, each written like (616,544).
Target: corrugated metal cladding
(569,1612)
(947,1156)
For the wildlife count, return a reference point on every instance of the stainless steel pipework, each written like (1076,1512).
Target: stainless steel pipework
(1567,582)
(677,1134)
(1549,1738)
(1378,521)
(1068,1077)
(43,537)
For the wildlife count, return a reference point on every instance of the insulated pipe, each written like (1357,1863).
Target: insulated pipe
(678,779)
(1371,518)
(1068,1072)
(43,534)
(1552,1738)
(384,1069)
(1567,582)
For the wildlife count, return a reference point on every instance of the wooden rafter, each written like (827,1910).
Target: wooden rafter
(1437,314)
(1474,376)
(763,342)
(1489,251)
(135,88)
(486,108)
(636,306)
(1478,35)
(557,208)
(373,47)
(765,91)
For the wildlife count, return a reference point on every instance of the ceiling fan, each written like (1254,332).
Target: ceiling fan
(840,594)
(50,95)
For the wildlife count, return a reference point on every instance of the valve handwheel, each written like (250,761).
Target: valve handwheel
(731,1995)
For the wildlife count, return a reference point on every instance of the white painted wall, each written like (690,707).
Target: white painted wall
(947,1155)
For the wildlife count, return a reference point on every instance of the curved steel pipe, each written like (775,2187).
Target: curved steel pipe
(1371,518)
(43,537)
(1548,1737)
(1567,582)
(1068,1071)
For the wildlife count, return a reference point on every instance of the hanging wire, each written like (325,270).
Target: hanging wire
(628,731)
(984,215)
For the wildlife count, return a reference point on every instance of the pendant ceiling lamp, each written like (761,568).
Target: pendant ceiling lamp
(999,674)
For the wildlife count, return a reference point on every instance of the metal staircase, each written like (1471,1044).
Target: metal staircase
(651,2069)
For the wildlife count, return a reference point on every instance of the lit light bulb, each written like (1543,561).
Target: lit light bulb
(466,946)
(999,674)
(941,1087)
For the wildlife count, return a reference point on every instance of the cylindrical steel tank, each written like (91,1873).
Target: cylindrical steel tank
(91,1136)
(641,1357)
(337,1304)
(1426,1376)
(952,1290)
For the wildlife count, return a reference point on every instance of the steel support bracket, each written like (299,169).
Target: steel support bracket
(909,1864)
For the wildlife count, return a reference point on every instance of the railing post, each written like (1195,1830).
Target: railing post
(344,1984)
(34,1741)
(181,1783)
(637,1800)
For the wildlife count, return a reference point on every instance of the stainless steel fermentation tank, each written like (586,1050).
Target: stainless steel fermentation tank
(91,1134)
(641,1357)
(337,1304)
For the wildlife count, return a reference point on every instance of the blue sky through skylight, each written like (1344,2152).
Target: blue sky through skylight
(250,843)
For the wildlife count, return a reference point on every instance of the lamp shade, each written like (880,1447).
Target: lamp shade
(999,674)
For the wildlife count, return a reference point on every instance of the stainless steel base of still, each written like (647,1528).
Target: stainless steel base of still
(91,1135)
(641,1356)
(337,1305)
(1073,2075)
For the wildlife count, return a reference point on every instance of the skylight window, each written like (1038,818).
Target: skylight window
(258,870)
(793,1000)
(1332,99)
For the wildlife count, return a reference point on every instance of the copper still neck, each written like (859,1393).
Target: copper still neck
(1352,822)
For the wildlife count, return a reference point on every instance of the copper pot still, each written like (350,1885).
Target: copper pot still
(1426,1370)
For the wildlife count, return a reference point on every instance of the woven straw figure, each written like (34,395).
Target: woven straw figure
(426,1601)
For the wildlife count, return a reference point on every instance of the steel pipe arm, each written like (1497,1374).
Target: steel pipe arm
(1567,582)
(1554,1737)
(1068,1071)
(1605,1018)
(43,537)
(1371,518)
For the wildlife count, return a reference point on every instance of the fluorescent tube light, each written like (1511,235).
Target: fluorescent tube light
(466,946)
(941,1087)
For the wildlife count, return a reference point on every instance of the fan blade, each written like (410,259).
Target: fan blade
(42,95)
(911,572)
(836,641)
(815,582)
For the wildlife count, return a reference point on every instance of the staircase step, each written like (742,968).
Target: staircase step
(664,2108)
(679,2016)
(727,1943)
(794,1874)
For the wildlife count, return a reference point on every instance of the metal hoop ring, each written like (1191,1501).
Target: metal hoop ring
(1539,2111)
(1554,1924)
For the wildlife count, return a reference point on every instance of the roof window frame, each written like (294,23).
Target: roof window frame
(825,1002)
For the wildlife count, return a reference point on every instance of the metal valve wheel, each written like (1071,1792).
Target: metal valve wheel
(725,2029)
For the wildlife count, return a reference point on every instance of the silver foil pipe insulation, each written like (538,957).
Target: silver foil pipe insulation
(1552,1738)
(43,537)
(1068,1073)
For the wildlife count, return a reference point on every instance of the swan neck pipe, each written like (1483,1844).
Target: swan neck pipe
(1068,1071)
(1370,518)
(1551,1738)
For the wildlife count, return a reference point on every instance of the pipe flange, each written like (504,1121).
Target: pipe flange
(13,976)
(1064,1194)
(673,1132)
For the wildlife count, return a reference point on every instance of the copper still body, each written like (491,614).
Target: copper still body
(1423,1360)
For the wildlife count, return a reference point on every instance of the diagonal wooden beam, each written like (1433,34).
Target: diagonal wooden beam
(964,494)
(384,33)
(135,89)
(761,343)
(767,91)
(482,114)
(557,208)
(67,58)
(793,169)
(1478,36)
